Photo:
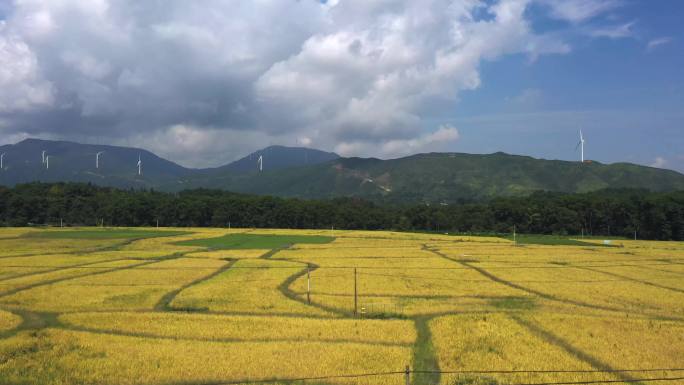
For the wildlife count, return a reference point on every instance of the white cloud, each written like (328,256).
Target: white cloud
(659,162)
(21,84)
(440,140)
(612,32)
(577,11)
(210,79)
(655,43)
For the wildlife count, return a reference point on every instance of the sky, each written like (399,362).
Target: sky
(204,83)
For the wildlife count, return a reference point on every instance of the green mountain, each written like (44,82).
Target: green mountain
(445,178)
(437,178)
(117,166)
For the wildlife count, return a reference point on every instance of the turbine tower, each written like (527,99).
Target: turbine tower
(2,159)
(139,165)
(580,145)
(47,162)
(97,159)
(43,154)
(261,163)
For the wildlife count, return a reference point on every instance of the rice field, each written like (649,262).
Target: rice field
(212,306)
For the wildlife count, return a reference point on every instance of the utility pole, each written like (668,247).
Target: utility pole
(356,302)
(515,242)
(407,375)
(157,223)
(308,284)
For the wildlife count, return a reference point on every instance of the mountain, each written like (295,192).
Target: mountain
(307,173)
(448,178)
(69,161)
(278,157)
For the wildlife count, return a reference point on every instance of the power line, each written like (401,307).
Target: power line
(632,380)
(407,372)
(547,371)
(310,378)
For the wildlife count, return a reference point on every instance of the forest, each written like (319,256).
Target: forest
(615,213)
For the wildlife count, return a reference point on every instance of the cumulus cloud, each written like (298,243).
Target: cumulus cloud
(205,82)
(23,87)
(441,139)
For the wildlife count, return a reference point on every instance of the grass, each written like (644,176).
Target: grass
(256,241)
(549,240)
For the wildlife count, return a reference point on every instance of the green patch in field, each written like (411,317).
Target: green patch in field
(255,241)
(102,234)
(513,303)
(550,240)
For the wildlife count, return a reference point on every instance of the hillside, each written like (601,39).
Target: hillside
(75,162)
(69,161)
(448,177)
(308,173)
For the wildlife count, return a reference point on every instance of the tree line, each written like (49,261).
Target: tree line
(625,213)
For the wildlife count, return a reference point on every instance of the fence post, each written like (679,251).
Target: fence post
(356,304)
(407,374)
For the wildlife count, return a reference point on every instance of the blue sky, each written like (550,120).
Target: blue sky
(204,84)
(626,95)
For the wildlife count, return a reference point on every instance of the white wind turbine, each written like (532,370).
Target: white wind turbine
(43,154)
(2,159)
(139,165)
(580,145)
(97,159)
(261,163)
(47,162)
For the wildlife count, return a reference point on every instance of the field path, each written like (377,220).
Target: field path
(57,280)
(565,345)
(165,301)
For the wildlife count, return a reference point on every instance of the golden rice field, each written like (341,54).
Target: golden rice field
(138,306)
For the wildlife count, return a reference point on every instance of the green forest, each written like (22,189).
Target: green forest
(614,213)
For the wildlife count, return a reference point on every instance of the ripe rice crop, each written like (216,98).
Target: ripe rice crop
(620,341)
(464,342)
(150,311)
(135,288)
(249,286)
(8,320)
(229,254)
(68,357)
(246,328)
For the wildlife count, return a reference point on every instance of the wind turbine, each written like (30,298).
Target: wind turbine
(47,162)
(261,163)
(580,145)
(2,158)
(97,159)
(43,153)
(139,165)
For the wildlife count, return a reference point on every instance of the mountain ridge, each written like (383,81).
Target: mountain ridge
(308,173)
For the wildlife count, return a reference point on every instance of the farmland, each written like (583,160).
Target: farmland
(210,306)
